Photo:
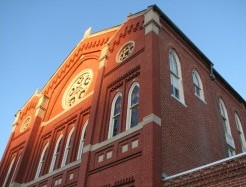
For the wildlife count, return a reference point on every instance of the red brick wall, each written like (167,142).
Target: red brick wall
(192,134)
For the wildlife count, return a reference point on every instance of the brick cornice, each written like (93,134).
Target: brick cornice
(126,31)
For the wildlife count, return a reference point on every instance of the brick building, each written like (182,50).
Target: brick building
(134,105)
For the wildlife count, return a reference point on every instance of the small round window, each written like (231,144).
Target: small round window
(125,51)
(25,124)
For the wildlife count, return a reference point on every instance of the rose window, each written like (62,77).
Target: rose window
(126,51)
(77,89)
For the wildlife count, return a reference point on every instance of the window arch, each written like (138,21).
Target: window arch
(57,150)
(82,141)
(133,106)
(198,87)
(41,161)
(114,124)
(67,148)
(176,77)
(240,132)
(224,115)
(7,178)
(227,128)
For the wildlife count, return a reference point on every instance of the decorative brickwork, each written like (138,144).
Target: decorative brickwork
(171,142)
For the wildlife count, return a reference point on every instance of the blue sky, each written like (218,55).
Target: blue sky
(36,37)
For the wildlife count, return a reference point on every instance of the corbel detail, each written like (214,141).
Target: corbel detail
(103,57)
(42,106)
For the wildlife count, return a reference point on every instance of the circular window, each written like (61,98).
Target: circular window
(77,88)
(125,51)
(25,124)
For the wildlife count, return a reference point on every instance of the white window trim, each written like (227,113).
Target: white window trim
(195,73)
(16,165)
(129,116)
(120,50)
(9,171)
(221,103)
(67,148)
(111,123)
(40,164)
(180,80)
(240,132)
(54,157)
(82,141)
(228,135)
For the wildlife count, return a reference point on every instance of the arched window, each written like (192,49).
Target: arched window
(132,106)
(240,132)
(198,87)
(54,162)
(67,148)
(176,77)
(224,117)
(114,125)
(9,173)
(227,129)
(82,141)
(41,161)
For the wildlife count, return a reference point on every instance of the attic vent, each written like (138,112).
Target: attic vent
(125,51)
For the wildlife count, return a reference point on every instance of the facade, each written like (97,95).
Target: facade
(134,105)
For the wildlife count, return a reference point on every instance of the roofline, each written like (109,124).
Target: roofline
(212,164)
(186,39)
(200,53)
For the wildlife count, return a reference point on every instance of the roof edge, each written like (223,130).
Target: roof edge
(200,53)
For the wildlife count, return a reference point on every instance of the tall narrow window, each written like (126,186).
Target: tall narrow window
(176,78)
(133,106)
(15,168)
(41,161)
(198,88)
(82,141)
(9,173)
(227,129)
(114,125)
(55,158)
(240,132)
(67,148)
